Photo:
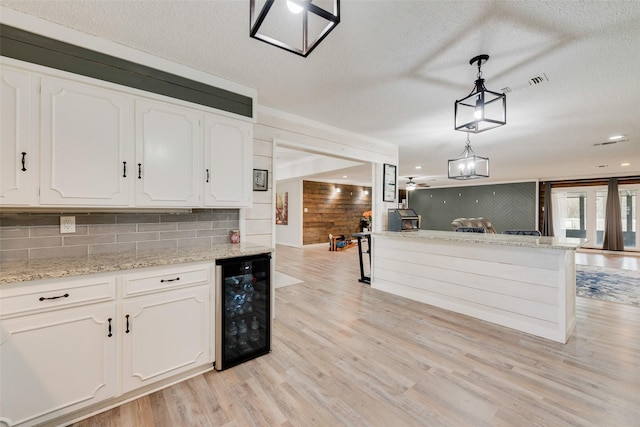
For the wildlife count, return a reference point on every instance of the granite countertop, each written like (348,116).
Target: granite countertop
(488,239)
(27,270)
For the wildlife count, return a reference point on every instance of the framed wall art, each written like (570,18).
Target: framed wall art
(260,180)
(389,178)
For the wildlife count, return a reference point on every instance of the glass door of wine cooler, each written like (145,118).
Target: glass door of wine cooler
(243,309)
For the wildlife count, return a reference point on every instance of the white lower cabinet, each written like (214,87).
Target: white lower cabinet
(69,344)
(165,334)
(55,363)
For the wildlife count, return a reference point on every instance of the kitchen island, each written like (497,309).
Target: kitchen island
(525,283)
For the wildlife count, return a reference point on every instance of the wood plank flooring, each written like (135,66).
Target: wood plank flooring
(626,261)
(347,355)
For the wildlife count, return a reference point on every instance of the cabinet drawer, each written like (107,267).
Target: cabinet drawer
(165,278)
(41,297)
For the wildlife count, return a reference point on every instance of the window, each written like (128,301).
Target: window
(628,210)
(601,208)
(581,212)
(575,217)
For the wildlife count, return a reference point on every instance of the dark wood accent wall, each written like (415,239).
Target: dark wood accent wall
(622,180)
(331,212)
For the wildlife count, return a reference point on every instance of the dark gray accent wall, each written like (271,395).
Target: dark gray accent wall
(29,47)
(507,206)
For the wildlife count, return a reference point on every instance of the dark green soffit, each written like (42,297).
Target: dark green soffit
(25,46)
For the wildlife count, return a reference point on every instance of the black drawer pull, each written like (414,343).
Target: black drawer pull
(59,296)
(207,175)
(124,169)
(169,280)
(127,331)
(110,334)
(139,170)
(24,161)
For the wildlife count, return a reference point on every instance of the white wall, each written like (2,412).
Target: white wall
(304,134)
(291,234)
(256,223)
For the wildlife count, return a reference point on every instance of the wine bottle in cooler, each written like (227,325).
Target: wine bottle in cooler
(233,335)
(242,332)
(254,332)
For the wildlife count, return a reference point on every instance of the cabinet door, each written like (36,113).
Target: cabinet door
(52,364)
(86,138)
(229,159)
(165,334)
(17,159)
(168,155)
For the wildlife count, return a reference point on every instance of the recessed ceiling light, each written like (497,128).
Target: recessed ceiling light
(418,167)
(625,164)
(345,176)
(611,138)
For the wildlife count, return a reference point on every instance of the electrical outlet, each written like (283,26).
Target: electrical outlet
(67,224)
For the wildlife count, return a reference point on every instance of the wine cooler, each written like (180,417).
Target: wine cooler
(243,309)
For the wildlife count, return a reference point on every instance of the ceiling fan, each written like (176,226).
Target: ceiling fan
(412,185)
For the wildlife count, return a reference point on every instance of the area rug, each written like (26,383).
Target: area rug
(609,284)
(281,280)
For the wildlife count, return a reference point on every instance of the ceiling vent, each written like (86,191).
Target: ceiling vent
(538,79)
(599,144)
(534,81)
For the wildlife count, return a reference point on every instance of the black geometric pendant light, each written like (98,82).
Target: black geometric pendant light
(482,109)
(297,26)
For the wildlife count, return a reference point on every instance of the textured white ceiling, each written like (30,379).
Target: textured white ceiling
(392,70)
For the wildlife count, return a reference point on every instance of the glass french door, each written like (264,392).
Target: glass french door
(580,212)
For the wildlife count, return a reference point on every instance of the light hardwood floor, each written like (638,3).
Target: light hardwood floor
(347,355)
(627,261)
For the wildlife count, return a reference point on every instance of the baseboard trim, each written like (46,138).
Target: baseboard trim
(627,252)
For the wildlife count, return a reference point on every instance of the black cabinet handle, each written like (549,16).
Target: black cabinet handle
(127,330)
(124,169)
(169,280)
(24,161)
(59,296)
(207,175)
(110,334)
(139,170)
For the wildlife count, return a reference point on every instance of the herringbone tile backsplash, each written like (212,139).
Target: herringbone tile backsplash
(507,206)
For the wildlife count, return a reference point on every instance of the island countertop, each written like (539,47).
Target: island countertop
(488,239)
(36,269)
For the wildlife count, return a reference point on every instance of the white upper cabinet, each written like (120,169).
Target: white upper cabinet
(228,148)
(78,142)
(18,163)
(168,153)
(86,145)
